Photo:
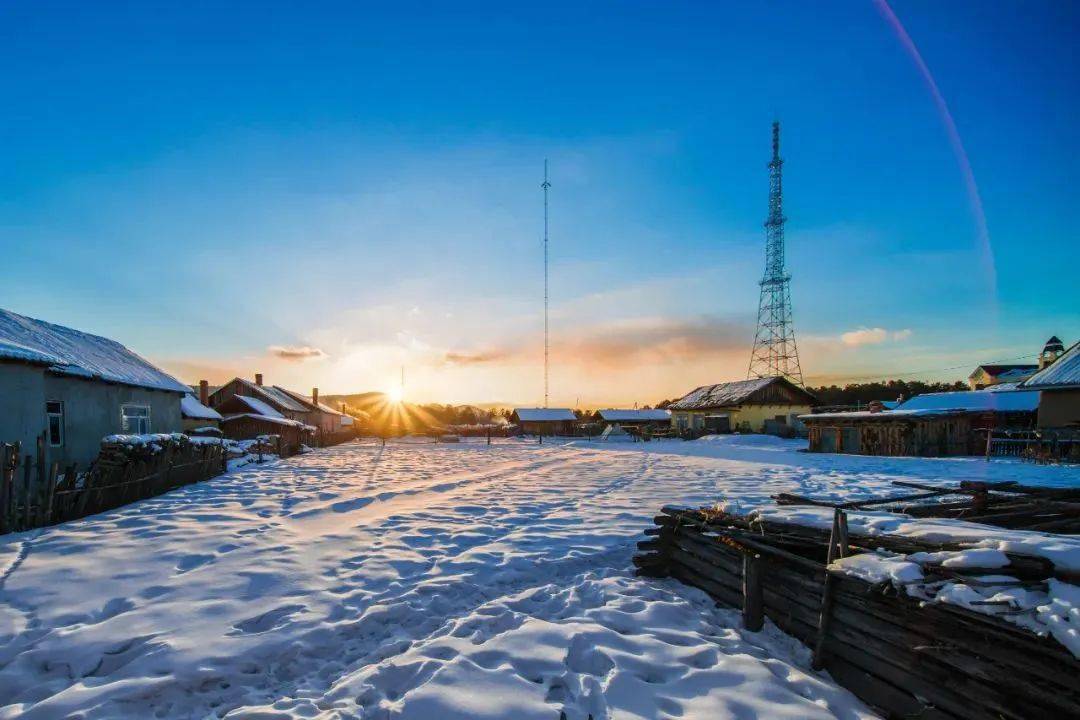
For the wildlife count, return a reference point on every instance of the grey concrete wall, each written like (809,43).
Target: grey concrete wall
(92,411)
(22,404)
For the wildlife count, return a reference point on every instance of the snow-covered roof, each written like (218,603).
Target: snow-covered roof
(947,403)
(616,415)
(975,401)
(307,400)
(276,395)
(259,407)
(1063,373)
(727,394)
(544,414)
(70,352)
(279,420)
(997,370)
(190,407)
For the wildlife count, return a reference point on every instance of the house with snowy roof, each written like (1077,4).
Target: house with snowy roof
(72,388)
(199,418)
(928,425)
(328,420)
(748,405)
(1058,384)
(634,418)
(545,421)
(985,376)
(287,403)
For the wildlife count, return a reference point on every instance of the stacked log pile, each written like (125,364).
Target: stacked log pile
(903,656)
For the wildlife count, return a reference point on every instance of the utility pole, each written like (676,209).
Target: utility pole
(775,353)
(547,347)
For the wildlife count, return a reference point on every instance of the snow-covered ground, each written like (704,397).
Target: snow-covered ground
(420,581)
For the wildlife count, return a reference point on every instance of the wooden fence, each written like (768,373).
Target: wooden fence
(1053,445)
(908,659)
(33,495)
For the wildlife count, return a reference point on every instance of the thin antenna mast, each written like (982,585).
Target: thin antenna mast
(545,185)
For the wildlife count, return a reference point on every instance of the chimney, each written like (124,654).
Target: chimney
(314,396)
(258,379)
(204,392)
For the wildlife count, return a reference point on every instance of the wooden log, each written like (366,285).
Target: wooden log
(753,604)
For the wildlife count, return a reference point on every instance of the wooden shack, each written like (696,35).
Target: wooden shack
(545,421)
(931,425)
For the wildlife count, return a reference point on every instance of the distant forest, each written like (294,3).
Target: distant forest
(415,417)
(862,393)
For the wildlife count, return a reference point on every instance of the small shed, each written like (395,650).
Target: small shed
(930,425)
(1059,384)
(636,418)
(197,417)
(545,421)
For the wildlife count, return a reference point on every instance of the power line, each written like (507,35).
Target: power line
(545,185)
(895,376)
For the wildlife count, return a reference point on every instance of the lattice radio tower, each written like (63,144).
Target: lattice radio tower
(545,185)
(775,353)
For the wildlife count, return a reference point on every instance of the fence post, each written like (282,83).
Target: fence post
(27,484)
(753,607)
(45,511)
(9,461)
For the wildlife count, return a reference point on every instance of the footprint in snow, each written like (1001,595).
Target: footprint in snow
(187,563)
(271,620)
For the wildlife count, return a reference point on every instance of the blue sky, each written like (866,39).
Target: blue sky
(210,183)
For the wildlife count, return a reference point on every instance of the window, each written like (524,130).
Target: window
(135,419)
(54,414)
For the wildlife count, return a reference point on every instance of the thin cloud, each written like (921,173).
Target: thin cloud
(626,344)
(873,336)
(295,353)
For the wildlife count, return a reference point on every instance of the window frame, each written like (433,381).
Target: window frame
(124,417)
(49,415)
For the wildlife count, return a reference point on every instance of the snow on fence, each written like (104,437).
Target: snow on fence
(128,468)
(915,628)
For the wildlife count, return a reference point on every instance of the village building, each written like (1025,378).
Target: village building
(199,418)
(72,389)
(545,421)
(247,418)
(640,420)
(328,421)
(280,401)
(985,376)
(930,425)
(1059,386)
(758,405)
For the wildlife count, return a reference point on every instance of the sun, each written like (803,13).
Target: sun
(395,394)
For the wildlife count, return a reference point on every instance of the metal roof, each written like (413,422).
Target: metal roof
(729,393)
(1063,373)
(190,407)
(275,395)
(66,351)
(615,415)
(545,414)
(946,403)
